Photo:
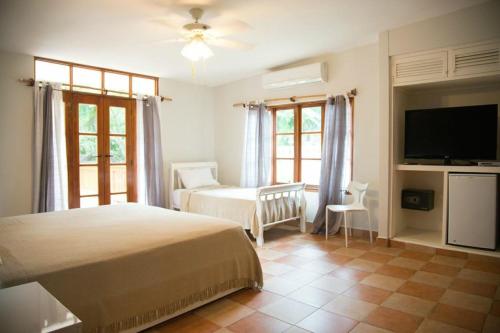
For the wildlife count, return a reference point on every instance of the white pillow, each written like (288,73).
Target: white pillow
(193,178)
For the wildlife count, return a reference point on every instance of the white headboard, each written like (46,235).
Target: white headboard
(175,182)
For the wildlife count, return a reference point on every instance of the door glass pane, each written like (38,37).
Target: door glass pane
(284,146)
(118,83)
(285,121)
(86,77)
(311,119)
(89,202)
(310,171)
(88,180)
(48,71)
(87,118)
(117,149)
(284,171)
(88,149)
(116,120)
(118,178)
(143,86)
(311,145)
(118,198)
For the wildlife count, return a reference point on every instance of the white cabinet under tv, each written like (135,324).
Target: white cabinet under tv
(429,227)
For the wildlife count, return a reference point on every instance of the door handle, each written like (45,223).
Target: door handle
(108,155)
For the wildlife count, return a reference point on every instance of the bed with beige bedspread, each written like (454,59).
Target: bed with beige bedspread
(120,267)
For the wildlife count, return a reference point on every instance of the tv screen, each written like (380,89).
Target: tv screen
(462,133)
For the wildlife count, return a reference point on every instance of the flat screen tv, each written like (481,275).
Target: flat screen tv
(454,133)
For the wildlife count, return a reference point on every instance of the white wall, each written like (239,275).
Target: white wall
(186,123)
(16,122)
(356,68)
(467,25)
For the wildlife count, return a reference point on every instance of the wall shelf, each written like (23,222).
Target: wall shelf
(420,236)
(447,168)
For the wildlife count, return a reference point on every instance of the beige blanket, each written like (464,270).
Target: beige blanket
(117,267)
(233,203)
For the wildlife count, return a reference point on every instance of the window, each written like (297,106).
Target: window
(95,80)
(298,132)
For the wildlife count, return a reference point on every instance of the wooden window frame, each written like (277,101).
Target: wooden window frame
(102,70)
(297,138)
(297,107)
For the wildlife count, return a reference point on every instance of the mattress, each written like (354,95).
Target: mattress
(233,203)
(120,267)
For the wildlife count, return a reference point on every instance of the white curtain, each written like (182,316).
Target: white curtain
(336,157)
(150,180)
(256,166)
(50,171)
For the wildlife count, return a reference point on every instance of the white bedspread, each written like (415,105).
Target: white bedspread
(233,203)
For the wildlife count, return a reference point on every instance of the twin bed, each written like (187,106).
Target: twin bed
(129,267)
(256,209)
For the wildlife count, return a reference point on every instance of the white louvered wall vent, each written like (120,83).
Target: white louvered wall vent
(419,68)
(475,59)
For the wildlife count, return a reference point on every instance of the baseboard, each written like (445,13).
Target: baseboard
(438,251)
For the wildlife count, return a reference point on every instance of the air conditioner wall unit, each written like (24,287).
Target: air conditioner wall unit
(312,73)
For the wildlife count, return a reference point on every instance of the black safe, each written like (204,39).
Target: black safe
(417,199)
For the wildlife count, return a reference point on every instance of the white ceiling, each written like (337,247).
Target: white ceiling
(124,34)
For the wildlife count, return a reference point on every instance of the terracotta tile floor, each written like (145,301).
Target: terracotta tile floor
(313,285)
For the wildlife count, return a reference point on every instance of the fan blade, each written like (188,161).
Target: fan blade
(172,21)
(223,26)
(230,44)
(169,41)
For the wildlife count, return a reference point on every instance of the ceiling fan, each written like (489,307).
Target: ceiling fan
(198,36)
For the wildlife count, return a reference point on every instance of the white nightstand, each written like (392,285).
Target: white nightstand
(31,308)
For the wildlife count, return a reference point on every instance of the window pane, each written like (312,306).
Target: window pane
(310,171)
(116,120)
(86,77)
(118,198)
(116,82)
(311,145)
(88,180)
(117,149)
(87,118)
(311,119)
(89,202)
(284,171)
(284,146)
(284,121)
(118,178)
(143,86)
(88,149)
(47,71)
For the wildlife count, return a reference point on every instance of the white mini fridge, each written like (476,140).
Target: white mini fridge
(472,210)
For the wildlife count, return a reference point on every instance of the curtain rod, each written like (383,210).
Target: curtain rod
(293,99)
(31,83)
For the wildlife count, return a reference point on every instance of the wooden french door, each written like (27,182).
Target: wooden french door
(101,149)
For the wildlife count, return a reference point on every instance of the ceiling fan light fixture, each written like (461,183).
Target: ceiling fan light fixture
(197,50)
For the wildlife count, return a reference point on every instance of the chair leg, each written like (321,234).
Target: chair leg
(370,225)
(350,224)
(326,223)
(345,227)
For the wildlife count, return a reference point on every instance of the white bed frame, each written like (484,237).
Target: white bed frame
(270,200)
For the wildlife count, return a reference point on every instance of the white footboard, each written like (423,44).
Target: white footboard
(279,204)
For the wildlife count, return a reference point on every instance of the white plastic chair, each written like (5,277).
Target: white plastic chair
(358,191)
